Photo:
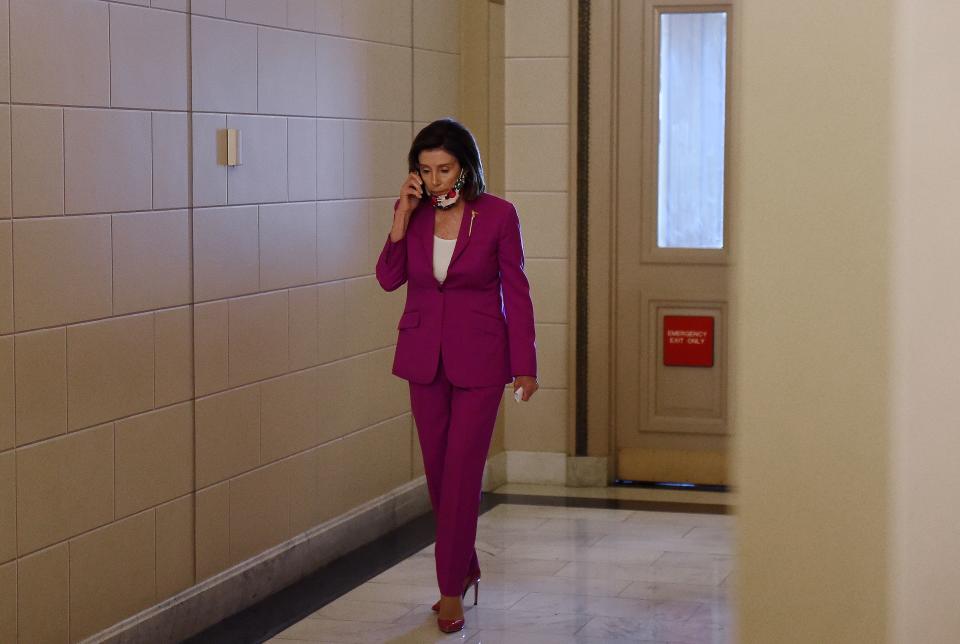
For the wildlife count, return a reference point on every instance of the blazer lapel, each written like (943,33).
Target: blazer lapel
(463,237)
(425,228)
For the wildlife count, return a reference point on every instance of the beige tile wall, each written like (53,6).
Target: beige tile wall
(195,360)
(8,601)
(537,116)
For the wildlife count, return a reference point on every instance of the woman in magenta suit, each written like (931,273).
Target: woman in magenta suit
(466,331)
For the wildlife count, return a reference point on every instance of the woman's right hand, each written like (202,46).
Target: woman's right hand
(410,194)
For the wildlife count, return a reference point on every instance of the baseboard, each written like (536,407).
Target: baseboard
(233,590)
(587,471)
(495,472)
(544,468)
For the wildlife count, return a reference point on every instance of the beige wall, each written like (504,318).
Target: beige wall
(183,387)
(811,211)
(538,117)
(847,324)
(924,518)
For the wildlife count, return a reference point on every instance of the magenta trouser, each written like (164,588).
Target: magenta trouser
(455,426)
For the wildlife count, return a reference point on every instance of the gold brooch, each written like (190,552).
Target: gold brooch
(473,213)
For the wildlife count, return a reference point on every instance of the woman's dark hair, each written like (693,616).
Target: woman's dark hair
(449,135)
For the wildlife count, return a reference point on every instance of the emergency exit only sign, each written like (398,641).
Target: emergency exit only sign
(688,340)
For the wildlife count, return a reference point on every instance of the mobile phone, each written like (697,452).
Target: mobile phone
(424,194)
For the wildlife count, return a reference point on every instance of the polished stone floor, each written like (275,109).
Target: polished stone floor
(556,575)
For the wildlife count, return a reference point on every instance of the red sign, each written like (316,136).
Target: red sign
(687,341)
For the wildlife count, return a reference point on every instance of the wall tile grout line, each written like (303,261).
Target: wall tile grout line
(69,615)
(153,169)
(557,57)
(66,380)
(260,424)
(113,431)
(103,108)
(153,317)
(111,213)
(118,316)
(286,158)
(538,125)
(259,250)
(13,346)
(436,51)
(538,192)
(316,255)
(413,72)
(113,258)
(9,53)
(163,9)
(257,68)
(323,117)
(229,535)
(109,57)
(304,31)
(16,498)
(156,553)
(227,304)
(63,151)
(192,290)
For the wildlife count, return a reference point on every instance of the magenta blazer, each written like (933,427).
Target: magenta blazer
(481,317)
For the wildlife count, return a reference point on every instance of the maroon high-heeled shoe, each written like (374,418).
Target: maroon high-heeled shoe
(475,582)
(454,625)
(450,625)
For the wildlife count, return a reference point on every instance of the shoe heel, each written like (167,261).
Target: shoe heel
(476,589)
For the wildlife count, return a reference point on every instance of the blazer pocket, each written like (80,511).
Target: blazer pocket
(409,320)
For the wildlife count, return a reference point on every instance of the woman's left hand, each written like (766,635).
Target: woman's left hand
(529,384)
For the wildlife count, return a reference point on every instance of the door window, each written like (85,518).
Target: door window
(692,130)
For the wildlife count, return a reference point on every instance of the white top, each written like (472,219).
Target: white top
(442,254)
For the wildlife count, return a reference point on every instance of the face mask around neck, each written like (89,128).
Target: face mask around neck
(452,196)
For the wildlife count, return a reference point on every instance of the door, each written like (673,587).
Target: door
(672,244)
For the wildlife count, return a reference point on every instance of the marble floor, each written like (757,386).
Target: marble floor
(556,575)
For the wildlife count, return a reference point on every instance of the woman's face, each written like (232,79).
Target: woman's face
(439,170)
